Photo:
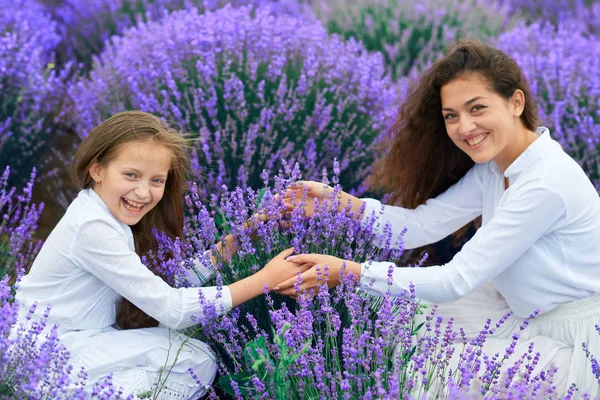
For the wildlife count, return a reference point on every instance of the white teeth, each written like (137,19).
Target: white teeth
(133,205)
(476,140)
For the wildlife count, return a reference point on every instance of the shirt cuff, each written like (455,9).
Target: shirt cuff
(374,277)
(372,211)
(202,271)
(225,300)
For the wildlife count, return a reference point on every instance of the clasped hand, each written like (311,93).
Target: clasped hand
(321,269)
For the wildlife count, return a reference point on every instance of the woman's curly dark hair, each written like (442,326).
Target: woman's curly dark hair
(422,161)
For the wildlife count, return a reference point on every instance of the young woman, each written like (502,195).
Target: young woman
(131,169)
(467,143)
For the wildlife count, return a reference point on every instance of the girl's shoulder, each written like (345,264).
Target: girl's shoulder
(88,210)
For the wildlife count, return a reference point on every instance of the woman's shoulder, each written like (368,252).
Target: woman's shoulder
(561,174)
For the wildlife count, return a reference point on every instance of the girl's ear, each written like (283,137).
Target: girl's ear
(96,171)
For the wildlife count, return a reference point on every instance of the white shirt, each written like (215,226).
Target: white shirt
(88,264)
(539,242)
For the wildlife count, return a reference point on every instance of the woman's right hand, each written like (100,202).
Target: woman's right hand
(317,190)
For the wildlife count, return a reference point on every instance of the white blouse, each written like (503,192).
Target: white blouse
(539,242)
(88,264)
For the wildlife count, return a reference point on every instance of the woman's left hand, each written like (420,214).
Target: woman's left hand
(315,276)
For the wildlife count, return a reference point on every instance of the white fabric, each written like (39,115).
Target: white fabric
(538,242)
(537,249)
(85,268)
(557,335)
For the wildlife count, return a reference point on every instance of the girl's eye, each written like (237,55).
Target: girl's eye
(130,174)
(159,181)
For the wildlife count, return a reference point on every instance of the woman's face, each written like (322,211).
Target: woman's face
(479,121)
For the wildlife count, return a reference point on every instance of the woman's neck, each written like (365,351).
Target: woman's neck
(512,151)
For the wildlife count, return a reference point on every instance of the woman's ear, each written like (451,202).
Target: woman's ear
(96,171)
(517,102)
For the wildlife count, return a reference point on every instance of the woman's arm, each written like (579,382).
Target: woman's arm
(426,224)
(519,222)
(434,220)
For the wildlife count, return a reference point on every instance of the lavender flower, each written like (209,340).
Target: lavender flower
(85,26)
(340,343)
(19,219)
(254,89)
(561,64)
(411,35)
(30,90)
(583,12)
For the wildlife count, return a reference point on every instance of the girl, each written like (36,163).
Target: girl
(131,168)
(467,144)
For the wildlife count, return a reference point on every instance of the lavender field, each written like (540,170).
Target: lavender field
(272,92)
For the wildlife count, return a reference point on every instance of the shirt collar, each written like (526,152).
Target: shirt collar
(531,153)
(98,200)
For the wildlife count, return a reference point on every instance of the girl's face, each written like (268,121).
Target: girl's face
(133,183)
(479,121)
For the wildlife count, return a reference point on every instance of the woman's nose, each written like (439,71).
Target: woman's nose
(466,125)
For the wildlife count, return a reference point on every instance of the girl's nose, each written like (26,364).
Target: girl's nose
(142,191)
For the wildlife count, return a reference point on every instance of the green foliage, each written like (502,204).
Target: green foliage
(412,34)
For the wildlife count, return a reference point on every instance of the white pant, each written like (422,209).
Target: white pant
(136,356)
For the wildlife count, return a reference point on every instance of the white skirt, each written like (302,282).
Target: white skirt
(136,357)
(557,335)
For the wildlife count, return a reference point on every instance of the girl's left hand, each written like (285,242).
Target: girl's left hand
(315,276)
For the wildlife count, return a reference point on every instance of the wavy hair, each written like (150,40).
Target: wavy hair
(102,144)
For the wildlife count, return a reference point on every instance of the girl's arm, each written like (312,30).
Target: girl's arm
(204,270)
(103,251)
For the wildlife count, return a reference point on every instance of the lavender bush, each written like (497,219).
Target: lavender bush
(561,64)
(412,34)
(34,364)
(584,12)
(19,218)
(85,26)
(341,343)
(29,87)
(253,87)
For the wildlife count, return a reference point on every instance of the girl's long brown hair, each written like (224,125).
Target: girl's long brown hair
(422,161)
(167,216)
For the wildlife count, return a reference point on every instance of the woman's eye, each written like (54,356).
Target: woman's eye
(448,116)
(478,107)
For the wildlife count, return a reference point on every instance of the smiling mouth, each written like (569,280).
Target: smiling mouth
(473,142)
(132,205)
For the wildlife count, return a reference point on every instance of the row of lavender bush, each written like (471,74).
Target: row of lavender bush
(317,106)
(257,85)
(340,344)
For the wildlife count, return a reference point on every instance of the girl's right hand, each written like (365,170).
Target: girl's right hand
(277,270)
(317,190)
